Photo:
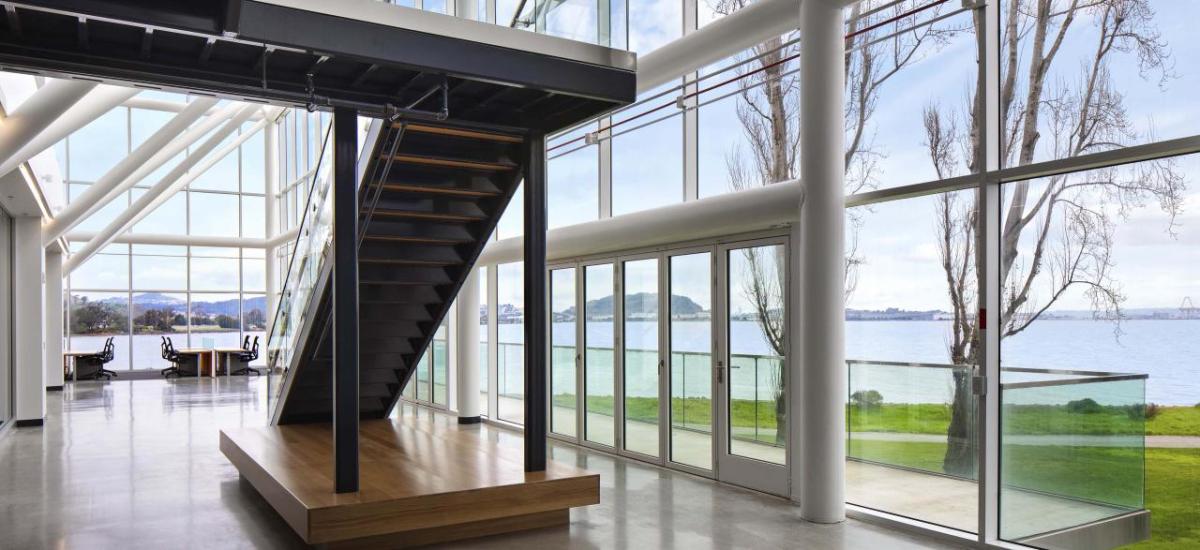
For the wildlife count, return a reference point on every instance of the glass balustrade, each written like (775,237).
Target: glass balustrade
(1072,445)
(308,255)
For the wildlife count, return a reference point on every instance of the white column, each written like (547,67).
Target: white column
(98,101)
(466,9)
(54,318)
(271,140)
(33,117)
(816,389)
(29,387)
(467,345)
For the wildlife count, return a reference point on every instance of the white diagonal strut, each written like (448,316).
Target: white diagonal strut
(100,100)
(118,179)
(38,112)
(175,180)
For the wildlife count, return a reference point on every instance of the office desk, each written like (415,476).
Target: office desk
(69,358)
(204,360)
(223,359)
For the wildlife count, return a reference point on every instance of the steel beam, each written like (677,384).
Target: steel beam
(535,303)
(345,300)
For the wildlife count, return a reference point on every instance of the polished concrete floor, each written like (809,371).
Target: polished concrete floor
(136,465)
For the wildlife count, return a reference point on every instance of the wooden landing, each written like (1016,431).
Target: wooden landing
(421,481)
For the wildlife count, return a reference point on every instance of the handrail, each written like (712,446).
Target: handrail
(1083,376)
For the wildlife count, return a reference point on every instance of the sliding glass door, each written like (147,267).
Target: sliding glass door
(680,358)
(563,352)
(690,342)
(599,355)
(641,363)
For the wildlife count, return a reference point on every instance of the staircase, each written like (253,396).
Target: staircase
(431,195)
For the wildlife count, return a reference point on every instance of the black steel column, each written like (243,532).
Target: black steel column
(345,300)
(535,304)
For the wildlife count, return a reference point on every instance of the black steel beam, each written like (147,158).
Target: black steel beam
(345,300)
(535,303)
(372,42)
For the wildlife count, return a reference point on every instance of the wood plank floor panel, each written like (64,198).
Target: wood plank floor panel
(415,476)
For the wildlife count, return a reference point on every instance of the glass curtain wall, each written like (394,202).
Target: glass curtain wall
(1074,241)
(197,296)
(140,293)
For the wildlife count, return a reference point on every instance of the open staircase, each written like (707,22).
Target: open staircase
(431,194)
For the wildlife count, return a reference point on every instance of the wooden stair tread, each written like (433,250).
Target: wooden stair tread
(434,190)
(439,216)
(453,163)
(458,132)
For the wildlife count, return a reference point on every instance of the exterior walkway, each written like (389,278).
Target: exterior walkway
(136,465)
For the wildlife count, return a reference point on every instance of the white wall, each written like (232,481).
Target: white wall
(29,388)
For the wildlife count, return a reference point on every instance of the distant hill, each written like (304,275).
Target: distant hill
(640,304)
(155,300)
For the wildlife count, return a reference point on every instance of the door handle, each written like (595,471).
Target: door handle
(720,372)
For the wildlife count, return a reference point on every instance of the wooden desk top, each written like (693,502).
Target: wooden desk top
(80,353)
(230,350)
(193,350)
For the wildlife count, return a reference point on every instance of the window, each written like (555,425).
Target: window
(573,179)
(1141,87)
(97,147)
(213,214)
(1101,349)
(647,156)
(160,272)
(654,23)
(510,342)
(214,273)
(910,412)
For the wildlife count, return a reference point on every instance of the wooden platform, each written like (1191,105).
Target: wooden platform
(422,481)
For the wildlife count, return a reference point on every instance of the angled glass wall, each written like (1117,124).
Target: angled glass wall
(140,293)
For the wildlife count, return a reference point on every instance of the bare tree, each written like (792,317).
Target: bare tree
(878,46)
(1057,232)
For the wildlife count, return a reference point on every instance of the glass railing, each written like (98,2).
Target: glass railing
(307,258)
(1072,449)
(753,385)
(1072,443)
(599,22)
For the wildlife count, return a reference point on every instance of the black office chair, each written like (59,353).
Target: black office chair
(246,357)
(246,343)
(182,365)
(91,367)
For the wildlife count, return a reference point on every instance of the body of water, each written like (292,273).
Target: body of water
(1167,351)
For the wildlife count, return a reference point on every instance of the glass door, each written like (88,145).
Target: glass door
(599,355)
(641,363)
(564,356)
(690,342)
(751,380)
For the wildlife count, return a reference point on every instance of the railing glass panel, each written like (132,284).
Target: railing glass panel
(1072,451)
(308,255)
